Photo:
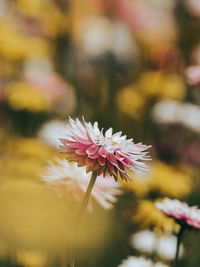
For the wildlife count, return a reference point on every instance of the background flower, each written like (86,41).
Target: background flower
(70,180)
(150,242)
(181,212)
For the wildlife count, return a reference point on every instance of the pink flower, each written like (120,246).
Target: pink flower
(106,154)
(70,180)
(194,7)
(181,212)
(193,75)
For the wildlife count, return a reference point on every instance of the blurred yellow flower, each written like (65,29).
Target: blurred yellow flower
(16,46)
(157,84)
(169,182)
(32,7)
(162,179)
(23,158)
(147,215)
(21,95)
(140,186)
(42,10)
(130,102)
(31,147)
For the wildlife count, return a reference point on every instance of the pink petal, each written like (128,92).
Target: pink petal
(92,149)
(81,151)
(112,159)
(127,161)
(82,140)
(69,148)
(73,144)
(102,152)
(94,156)
(101,160)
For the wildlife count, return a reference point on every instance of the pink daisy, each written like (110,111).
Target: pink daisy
(70,180)
(181,212)
(111,154)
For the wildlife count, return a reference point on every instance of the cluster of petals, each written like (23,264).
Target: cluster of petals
(111,154)
(181,212)
(70,180)
(132,261)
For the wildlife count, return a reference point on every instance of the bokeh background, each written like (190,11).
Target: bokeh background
(133,65)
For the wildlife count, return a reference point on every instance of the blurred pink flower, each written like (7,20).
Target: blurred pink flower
(110,154)
(40,75)
(192,153)
(181,212)
(194,7)
(193,75)
(143,16)
(52,85)
(65,177)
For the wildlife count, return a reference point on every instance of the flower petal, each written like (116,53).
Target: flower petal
(92,149)
(101,160)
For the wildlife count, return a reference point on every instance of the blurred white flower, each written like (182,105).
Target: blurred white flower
(132,261)
(175,112)
(144,241)
(70,180)
(37,67)
(51,131)
(148,241)
(166,247)
(190,116)
(136,262)
(94,35)
(122,43)
(99,35)
(166,111)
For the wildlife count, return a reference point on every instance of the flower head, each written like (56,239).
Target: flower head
(181,212)
(106,154)
(67,178)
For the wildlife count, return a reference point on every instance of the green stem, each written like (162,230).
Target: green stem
(179,237)
(80,214)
